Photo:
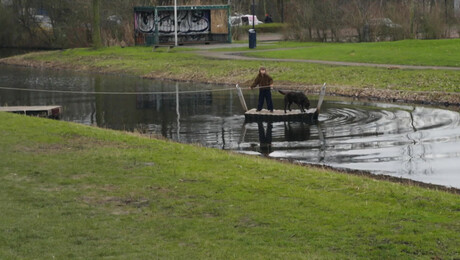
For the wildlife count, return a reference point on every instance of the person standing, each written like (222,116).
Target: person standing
(265,82)
(268,18)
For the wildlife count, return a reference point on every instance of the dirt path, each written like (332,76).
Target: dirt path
(239,55)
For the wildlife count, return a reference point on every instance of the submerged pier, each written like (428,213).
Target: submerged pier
(40,111)
(278,115)
(310,115)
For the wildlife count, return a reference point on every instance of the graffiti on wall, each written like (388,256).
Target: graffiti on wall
(457,8)
(188,22)
(144,22)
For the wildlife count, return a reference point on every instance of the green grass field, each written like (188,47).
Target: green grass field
(71,191)
(263,28)
(408,52)
(184,65)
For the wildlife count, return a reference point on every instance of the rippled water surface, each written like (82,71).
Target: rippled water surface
(7,52)
(407,141)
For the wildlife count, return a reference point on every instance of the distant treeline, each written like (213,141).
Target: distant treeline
(63,24)
(361,20)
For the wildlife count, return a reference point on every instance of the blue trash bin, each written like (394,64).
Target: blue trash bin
(252,39)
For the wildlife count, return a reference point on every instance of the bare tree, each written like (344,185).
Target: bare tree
(97,42)
(75,23)
(358,14)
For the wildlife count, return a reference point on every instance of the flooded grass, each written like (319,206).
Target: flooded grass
(72,191)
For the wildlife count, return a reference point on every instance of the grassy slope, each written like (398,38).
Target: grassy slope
(263,28)
(189,66)
(270,46)
(408,52)
(70,191)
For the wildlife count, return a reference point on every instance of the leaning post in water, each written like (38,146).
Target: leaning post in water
(321,99)
(241,97)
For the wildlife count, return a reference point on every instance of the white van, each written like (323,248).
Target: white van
(246,19)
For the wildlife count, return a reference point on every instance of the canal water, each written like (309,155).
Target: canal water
(7,52)
(415,142)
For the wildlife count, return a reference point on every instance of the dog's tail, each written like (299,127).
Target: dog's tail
(282,92)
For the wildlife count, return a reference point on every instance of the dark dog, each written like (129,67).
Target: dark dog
(295,97)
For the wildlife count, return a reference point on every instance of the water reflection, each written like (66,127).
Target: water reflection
(401,140)
(265,137)
(7,52)
(296,132)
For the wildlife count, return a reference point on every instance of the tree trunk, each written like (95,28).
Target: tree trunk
(412,18)
(264,2)
(282,11)
(446,13)
(97,42)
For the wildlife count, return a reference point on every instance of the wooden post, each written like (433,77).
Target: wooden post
(321,98)
(178,111)
(240,95)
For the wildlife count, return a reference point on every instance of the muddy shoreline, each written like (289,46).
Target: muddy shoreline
(449,100)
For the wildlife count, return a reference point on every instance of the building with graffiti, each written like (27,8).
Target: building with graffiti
(195,24)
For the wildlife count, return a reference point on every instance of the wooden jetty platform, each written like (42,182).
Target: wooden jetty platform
(278,115)
(40,111)
(264,115)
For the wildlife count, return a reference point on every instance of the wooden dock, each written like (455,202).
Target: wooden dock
(264,115)
(310,115)
(40,111)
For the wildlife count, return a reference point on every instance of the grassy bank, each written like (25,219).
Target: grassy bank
(71,191)
(264,28)
(408,52)
(183,65)
(240,31)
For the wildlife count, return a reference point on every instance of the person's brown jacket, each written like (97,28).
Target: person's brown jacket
(262,81)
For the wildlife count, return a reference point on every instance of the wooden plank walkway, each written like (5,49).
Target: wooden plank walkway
(41,111)
(279,115)
(310,115)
